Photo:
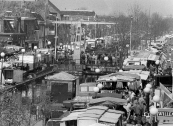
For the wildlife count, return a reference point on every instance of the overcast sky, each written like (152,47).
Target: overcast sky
(104,7)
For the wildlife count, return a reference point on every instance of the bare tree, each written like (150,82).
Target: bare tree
(13,113)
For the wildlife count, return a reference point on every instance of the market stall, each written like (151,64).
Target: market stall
(119,82)
(93,115)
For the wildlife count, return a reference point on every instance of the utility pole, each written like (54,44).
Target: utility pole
(56,37)
(131,35)
(45,15)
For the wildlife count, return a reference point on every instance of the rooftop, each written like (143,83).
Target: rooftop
(78,12)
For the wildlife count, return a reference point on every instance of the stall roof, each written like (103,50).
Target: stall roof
(61,76)
(121,76)
(72,116)
(134,67)
(111,99)
(98,124)
(143,54)
(102,113)
(88,84)
(143,74)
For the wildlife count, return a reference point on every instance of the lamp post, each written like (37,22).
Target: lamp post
(157,65)
(39,57)
(120,70)
(100,86)
(23,51)
(147,91)
(131,34)
(106,59)
(2,58)
(35,50)
(127,50)
(96,90)
(154,110)
(114,78)
(97,70)
(49,43)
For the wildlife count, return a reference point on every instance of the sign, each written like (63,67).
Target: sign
(165,114)
(26,58)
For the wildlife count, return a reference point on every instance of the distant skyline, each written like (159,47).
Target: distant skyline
(105,7)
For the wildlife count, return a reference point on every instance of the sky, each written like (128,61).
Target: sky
(106,7)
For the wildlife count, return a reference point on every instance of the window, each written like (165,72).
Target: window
(91,88)
(8,74)
(83,89)
(71,123)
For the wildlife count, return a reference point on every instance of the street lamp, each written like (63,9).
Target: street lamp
(35,47)
(120,70)
(2,58)
(147,91)
(114,78)
(127,45)
(156,98)
(157,64)
(23,51)
(131,21)
(97,70)
(154,110)
(96,90)
(49,43)
(149,86)
(39,56)
(100,86)
(35,50)
(106,59)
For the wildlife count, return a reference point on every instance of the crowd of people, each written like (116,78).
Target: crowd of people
(99,59)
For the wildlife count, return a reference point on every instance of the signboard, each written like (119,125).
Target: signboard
(26,58)
(165,114)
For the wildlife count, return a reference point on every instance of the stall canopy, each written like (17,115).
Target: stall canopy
(134,67)
(98,124)
(61,76)
(143,74)
(115,101)
(143,54)
(14,47)
(100,113)
(121,76)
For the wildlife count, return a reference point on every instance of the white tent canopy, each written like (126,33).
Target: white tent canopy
(5,64)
